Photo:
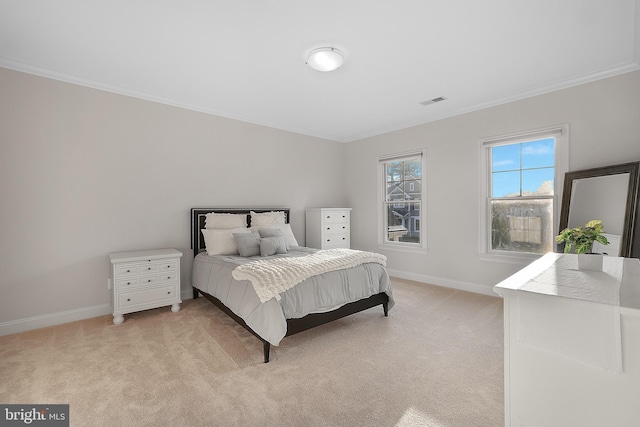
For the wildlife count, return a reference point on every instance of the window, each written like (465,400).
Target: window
(521,191)
(402,193)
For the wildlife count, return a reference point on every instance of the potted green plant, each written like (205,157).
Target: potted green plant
(581,240)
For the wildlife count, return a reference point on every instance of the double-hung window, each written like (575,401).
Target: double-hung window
(520,195)
(402,191)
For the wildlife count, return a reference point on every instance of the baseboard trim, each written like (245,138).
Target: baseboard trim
(36,322)
(445,283)
(52,319)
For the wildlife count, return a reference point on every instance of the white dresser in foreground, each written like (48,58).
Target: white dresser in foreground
(572,343)
(328,228)
(145,279)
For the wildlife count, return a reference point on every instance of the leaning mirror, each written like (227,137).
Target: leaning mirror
(609,194)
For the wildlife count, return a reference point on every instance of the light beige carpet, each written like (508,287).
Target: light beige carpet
(437,360)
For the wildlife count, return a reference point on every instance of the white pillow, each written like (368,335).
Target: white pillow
(225,220)
(286,232)
(267,218)
(222,242)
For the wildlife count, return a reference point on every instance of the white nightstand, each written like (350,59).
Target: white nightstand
(145,279)
(328,228)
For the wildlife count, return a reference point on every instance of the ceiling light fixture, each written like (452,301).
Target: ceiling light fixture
(325,59)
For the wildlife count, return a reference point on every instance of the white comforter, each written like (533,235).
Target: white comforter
(271,277)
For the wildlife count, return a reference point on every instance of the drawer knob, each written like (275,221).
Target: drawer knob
(128,271)
(128,299)
(169,293)
(128,283)
(148,280)
(168,277)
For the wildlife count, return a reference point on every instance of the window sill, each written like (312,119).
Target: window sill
(403,248)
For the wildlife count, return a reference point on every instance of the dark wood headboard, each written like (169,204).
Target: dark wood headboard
(198,216)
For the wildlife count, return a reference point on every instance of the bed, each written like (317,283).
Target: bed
(317,300)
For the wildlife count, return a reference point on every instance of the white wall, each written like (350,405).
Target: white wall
(84,173)
(604,120)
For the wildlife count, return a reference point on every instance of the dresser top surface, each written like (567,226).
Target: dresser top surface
(150,254)
(557,275)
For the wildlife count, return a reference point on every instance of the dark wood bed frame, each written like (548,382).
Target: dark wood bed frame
(294,326)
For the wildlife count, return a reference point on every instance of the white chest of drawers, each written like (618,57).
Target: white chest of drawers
(145,279)
(328,228)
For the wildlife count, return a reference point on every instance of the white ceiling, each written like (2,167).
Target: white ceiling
(245,59)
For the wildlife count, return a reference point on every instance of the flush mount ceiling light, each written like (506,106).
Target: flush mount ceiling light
(325,59)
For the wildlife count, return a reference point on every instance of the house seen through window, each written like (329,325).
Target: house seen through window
(402,200)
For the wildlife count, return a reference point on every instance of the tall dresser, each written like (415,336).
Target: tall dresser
(571,347)
(328,228)
(145,279)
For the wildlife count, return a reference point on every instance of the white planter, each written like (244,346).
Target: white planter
(591,262)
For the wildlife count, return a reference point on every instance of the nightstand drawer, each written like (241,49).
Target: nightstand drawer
(148,280)
(168,276)
(147,297)
(126,270)
(126,283)
(168,266)
(132,282)
(148,268)
(133,269)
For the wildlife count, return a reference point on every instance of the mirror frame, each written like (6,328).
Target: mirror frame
(631,210)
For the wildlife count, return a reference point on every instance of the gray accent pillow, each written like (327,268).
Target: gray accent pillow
(272,232)
(272,246)
(248,243)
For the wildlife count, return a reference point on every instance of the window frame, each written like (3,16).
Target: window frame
(383,243)
(561,166)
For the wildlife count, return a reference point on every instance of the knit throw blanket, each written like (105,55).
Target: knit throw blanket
(271,277)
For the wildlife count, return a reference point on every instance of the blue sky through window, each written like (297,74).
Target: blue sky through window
(523,169)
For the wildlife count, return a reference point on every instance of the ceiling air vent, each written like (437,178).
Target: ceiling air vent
(433,101)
